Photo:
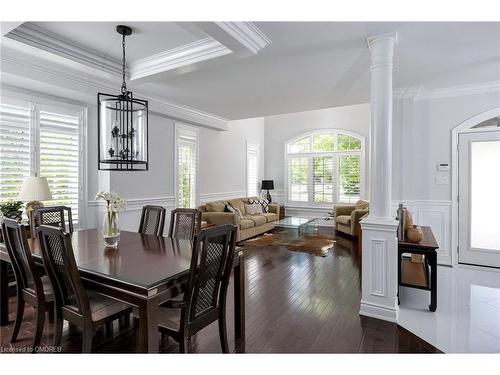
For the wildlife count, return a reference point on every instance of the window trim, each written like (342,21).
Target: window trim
(178,126)
(253,146)
(287,157)
(36,100)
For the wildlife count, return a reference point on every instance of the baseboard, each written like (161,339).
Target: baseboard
(379,312)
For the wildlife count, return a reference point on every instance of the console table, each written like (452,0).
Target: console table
(406,273)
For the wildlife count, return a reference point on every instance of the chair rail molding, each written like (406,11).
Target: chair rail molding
(210,197)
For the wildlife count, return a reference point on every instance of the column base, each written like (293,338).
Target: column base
(379,269)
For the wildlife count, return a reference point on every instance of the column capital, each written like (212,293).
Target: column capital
(372,40)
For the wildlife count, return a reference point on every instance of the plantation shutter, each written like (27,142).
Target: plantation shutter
(59,157)
(15,155)
(187,169)
(252,169)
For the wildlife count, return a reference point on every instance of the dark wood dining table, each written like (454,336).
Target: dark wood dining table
(143,271)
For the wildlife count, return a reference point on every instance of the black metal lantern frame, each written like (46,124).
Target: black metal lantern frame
(122,132)
(122,129)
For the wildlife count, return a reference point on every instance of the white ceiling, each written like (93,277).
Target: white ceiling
(148,38)
(307,65)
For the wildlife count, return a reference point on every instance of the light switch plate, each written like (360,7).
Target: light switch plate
(442,180)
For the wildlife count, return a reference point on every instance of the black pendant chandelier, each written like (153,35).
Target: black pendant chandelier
(122,126)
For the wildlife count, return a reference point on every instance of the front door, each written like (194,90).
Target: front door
(479,198)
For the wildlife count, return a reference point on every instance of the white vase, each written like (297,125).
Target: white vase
(110,229)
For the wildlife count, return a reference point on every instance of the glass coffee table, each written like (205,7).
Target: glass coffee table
(295,222)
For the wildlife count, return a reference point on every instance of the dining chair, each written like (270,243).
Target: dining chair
(204,300)
(184,223)
(152,220)
(56,216)
(87,309)
(31,286)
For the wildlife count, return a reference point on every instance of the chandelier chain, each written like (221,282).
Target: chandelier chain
(124,84)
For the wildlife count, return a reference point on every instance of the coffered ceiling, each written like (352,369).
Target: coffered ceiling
(238,70)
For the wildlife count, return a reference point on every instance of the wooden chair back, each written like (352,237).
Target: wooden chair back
(56,216)
(152,220)
(211,264)
(16,242)
(59,261)
(184,223)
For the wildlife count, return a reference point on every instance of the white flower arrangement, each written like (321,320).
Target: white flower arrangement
(114,201)
(115,204)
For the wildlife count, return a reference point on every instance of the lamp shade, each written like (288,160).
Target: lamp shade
(267,185)
(35,189)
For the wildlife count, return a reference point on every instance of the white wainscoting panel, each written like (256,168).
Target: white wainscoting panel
(437,215)
(129,219)
(210,197)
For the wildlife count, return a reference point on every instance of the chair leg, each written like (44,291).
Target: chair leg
(87,336)
(51,315)
(223,333)
(19,318)
(183,345)
(58,328)
(109,328)
(40,320)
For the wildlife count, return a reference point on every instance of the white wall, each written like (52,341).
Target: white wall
(422,136)
(279,129)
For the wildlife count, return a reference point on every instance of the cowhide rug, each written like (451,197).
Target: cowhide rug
(316,244)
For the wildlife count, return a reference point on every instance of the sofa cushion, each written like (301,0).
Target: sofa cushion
(270,217)
(257,219)
(343,219)
(253,209)
(246,224)
(217,206)
(361,205)
(239,204)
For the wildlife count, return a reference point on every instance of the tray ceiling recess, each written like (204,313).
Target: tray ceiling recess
(89,43)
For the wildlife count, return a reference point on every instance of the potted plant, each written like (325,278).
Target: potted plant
(110,228)
(12,210)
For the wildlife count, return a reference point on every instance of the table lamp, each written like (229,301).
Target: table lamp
(34,190)
(268,185)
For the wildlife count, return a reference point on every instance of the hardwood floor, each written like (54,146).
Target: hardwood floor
(296,303)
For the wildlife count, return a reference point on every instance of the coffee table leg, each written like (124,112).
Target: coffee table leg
(4,294)
(239,298)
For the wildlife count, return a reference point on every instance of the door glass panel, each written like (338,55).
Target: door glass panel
(485,204)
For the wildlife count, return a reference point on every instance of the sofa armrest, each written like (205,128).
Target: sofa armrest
(356,216)
(343,209)
(219,218)
(274,208)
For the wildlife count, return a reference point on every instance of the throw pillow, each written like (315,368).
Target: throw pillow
(263,202)
(253,209)
(234,210)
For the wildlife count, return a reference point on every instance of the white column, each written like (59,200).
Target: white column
(379,253)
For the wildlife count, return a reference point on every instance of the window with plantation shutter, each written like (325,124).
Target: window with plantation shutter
(324,167)
(59,157)
(252,169)
(186,155)
(15,163)
(36,139)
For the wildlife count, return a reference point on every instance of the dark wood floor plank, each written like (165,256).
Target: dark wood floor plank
(296,303)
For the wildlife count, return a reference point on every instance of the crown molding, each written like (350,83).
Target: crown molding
(461,90)
(18,69)
(192,53)
(35,36)
(247,34)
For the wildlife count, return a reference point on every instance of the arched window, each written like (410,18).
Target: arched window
(324,167)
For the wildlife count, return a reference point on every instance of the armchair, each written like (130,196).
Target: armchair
(348,216)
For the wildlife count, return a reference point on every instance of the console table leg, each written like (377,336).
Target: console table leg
(433,261)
